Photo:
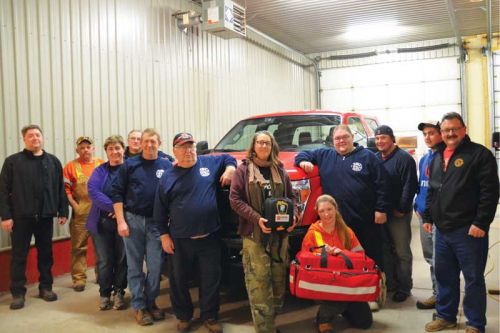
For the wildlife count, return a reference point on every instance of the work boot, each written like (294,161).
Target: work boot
(17,302)
(438,324)
(119,301)
(79,287)
(325,328)
(399,297)
(156,312)
(213,326)
(183,326)
(470,329)
(143,318)
(429,303)
(47,295)
(104,303)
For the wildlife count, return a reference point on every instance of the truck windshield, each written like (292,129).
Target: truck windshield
(298,132)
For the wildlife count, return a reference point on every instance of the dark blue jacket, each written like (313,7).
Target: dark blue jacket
(357,181)
(161,154)
(423,182)
(186,199)
(402,171)
(135,184)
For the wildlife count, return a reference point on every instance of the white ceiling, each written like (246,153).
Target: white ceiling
(312,26)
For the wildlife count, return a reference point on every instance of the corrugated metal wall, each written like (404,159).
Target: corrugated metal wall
(100,67)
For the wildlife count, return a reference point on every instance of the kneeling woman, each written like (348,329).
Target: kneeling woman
(332,232)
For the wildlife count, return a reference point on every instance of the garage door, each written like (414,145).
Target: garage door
(400,94)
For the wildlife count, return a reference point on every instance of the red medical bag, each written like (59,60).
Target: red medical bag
(349,276)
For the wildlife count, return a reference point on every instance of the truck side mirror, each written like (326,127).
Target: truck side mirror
(201,147)
(495,140)
(370,144)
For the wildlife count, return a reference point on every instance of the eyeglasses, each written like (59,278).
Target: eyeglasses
(186,148)
(343,137)
(263,143)
(452,130)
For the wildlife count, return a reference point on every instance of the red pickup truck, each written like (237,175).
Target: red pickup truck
(294,131)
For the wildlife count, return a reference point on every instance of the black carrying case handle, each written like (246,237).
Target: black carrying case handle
(324,257)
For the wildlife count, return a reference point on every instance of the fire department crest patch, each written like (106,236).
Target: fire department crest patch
(459,162)
(356,166)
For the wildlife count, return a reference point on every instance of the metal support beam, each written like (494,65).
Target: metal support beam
(462,58)
(491,82)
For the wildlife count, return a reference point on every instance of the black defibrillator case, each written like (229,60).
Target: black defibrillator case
(279,213)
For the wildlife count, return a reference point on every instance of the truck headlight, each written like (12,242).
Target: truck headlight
(302,191)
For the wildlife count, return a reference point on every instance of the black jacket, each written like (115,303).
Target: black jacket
(467,193)
(32,187)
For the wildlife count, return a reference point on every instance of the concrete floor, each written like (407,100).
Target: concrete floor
(78,312)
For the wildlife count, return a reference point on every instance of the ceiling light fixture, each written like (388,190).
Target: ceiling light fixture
(374,31)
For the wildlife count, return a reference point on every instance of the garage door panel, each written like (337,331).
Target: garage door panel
(339,79)
(440,69)
(369,98)
(402,95)
(340,100)
(442,92)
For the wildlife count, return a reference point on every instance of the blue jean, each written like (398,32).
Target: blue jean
(398,259)
(427,242)
(456,251)
(142,244)
(111,260)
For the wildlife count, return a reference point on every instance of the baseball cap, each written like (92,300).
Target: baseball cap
(428,123)
(84,139)
(182,138)
(384,130)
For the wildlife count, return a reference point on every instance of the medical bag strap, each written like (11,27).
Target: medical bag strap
(323,263)
(324,256)
(348,262)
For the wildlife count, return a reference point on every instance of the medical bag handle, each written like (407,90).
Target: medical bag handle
(324,257)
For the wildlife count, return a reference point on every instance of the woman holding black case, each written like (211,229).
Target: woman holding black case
(259,177)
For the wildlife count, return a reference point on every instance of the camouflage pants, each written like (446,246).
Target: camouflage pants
(265,281)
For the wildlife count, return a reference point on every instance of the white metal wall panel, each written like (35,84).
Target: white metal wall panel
(400,94)
(101,67)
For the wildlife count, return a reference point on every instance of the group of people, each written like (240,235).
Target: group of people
(457,197)
(143,203)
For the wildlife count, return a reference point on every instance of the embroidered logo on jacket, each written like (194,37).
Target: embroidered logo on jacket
(159,172)
(458,162)
(204,172)
(356,166)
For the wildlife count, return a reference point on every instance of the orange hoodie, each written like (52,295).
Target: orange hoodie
(316,235)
